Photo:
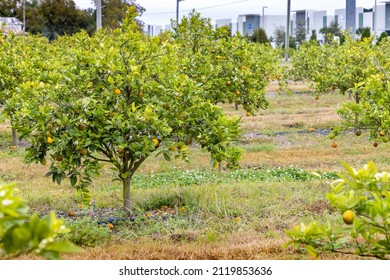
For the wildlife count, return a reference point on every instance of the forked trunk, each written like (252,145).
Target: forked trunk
(126,195)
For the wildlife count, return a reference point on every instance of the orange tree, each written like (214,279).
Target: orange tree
(118,98)
(358,68)
(362,227)
(231,69)
(371,89)
(20,62)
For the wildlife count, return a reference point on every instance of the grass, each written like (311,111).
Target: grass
(191,211)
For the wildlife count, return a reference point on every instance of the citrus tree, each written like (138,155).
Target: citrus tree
(22,233)
(362,227)
(118,98)
(22,60)
(231,69)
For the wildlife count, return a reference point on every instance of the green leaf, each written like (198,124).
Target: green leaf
(312,251)
(63,247)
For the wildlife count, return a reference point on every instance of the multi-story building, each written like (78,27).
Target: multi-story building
(308,19)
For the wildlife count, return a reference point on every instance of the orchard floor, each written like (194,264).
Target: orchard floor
(191,211)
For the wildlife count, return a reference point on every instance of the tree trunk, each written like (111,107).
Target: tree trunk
(126,195)
(15,140)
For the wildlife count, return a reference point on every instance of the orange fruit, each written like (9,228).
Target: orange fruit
(84,151)
(248,114)
(155,142)
(71,214)
(49,140)
(382,133)
(334,144)
(140,94)
(110,226)
(148,215)
(117,91)
(348,217)
(312,129)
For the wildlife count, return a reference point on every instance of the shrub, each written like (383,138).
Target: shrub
(363,226)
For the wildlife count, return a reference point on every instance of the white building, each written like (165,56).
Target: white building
(310,19)
(11,24)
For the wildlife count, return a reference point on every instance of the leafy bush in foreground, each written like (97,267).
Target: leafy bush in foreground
(363,199)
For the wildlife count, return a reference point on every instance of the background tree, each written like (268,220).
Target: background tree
(300,33)
(364,32)
(8,8)
(313,36)
(259,36)
(61,17)
(114,12)
(280,36)
(382,37)
(331,31)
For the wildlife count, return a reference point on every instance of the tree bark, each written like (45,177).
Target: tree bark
(126,195)
(15,140)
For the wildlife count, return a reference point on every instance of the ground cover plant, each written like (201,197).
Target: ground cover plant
(130,111)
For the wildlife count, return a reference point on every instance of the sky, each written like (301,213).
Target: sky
(161,11)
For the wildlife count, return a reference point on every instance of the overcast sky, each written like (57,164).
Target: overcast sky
(161,11)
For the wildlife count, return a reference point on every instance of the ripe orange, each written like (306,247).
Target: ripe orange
(117,91)
(155,142)
(173,148)
(110,226)
(49,140)
(312,129)
(348,217)
(382,133)
(71,214)
(248,114)
(334,144)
